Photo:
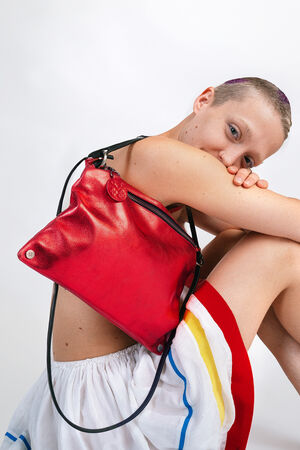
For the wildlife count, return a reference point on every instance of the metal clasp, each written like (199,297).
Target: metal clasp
(104,158)
(101,161)
(201,260)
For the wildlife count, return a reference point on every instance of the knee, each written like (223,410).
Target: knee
(286,247)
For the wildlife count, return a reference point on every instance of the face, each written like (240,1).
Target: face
(242,133)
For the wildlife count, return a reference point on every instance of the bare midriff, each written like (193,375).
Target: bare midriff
(80,332)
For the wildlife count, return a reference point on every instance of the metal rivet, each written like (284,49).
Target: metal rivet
(160,348)
(30,254)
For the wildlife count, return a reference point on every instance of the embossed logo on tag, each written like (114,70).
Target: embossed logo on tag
(116,189)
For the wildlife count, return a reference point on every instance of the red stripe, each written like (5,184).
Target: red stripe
(242,385)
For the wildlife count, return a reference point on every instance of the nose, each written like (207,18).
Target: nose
(229,158)
(225,158)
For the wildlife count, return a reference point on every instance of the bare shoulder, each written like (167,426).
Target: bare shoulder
(159,165)
(161,148)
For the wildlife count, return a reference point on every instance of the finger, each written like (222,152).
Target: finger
(252,179)
(232,169)
(262,184)
(241,175)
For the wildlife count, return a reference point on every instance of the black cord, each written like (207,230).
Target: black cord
(170,338)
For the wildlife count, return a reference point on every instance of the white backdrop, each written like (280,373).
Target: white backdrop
(79,75)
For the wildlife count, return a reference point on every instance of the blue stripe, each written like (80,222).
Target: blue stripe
(190,409)
(23,438)
(13,438)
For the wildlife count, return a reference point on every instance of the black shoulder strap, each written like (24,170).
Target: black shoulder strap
(112,148)
(199,261)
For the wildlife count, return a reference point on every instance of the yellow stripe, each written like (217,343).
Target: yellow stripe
(206,353)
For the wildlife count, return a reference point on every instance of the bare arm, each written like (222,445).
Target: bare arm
(207,223)
(177,172)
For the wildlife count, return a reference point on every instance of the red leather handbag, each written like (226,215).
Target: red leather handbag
(122,253)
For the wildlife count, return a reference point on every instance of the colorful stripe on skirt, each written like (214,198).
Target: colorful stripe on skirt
(242,385)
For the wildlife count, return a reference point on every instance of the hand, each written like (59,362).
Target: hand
(247,179)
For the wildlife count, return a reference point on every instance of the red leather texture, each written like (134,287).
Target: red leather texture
(123,260)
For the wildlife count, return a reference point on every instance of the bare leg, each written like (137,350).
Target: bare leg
(271,331)
(286,306)
(214,251)
(285,349)
(252,275)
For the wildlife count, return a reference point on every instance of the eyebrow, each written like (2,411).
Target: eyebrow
(248,131)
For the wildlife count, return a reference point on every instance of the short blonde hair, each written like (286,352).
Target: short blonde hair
(239,88)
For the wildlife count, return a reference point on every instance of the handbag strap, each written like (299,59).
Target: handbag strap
(112,148)
(199,261)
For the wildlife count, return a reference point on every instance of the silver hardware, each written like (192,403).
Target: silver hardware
(30,254)
(103,162)
(201,261)
(160,348)
(112,171)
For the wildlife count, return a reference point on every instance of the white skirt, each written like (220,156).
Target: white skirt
(203,401)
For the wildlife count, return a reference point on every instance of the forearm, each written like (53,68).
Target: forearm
(207,223)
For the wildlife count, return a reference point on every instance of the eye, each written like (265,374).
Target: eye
(249,161)
(234,131)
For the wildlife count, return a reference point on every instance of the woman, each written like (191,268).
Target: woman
(204,399)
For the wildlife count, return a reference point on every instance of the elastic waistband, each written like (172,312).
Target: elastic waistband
(103,359)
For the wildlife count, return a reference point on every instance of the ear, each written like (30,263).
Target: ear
(204,99)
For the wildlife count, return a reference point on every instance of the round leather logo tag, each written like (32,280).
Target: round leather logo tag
(116,189)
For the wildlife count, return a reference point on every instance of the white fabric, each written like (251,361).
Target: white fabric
(98,392)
